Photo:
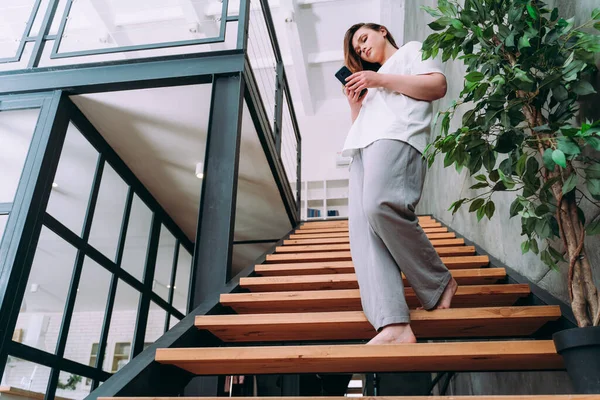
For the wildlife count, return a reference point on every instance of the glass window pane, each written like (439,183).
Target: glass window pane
(94,25)
(156,323)
(173,321)
(3,221)
(21,375)
(73,181)
(16,131)
(72,386)
(122,322)
(182,280)
(13,20)
(43,305)
(164,263)
(108,215)
(88,314)
(136,242)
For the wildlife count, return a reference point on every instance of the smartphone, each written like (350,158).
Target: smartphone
(344,73)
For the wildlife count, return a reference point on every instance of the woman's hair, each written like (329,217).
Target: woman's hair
(352,59)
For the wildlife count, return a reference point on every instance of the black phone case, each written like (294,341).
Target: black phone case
(342,74)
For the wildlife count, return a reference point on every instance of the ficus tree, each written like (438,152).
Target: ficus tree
(526,70)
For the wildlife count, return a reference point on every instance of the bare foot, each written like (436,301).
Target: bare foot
(446,298)
(395,334)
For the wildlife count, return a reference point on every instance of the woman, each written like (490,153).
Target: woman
(391,126)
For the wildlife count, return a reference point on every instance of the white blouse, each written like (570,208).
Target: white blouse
(386,114)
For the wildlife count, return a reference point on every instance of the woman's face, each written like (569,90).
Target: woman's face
(370,44)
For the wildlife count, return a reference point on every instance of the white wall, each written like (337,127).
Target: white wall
(323,135)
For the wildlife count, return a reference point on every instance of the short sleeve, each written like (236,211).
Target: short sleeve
(429,66)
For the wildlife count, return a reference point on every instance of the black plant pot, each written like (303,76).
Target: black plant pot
(580,349)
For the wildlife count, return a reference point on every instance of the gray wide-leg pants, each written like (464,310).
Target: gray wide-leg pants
(386,181)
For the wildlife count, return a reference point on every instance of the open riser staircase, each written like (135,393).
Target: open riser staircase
(306,292)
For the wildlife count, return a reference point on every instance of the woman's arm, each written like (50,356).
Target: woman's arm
(427,87)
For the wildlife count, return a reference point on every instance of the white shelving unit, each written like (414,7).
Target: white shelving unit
(325,196)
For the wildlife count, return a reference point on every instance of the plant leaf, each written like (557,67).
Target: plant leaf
(524,42)
(559,158)
(570,183)
(596,13)
(479,185)
(490,208)
(515,207)
(474,76)
(481,178)
(593,228)
(480,213)
(525,247)
(568,146)
(431,11)
(593,186)
(534,246)
(583,88)
(548,161)
(476,205)
(532,11)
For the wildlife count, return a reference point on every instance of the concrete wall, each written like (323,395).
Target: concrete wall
(501,237)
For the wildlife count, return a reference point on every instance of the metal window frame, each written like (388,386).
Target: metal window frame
(55,54)
(56,113)
(25,36)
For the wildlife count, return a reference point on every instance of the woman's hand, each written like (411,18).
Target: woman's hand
(363,80)
(354,98)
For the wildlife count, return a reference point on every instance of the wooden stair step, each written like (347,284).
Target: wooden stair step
(344,235)
(353,325)
(349,300)
(470,397)
(344,222)
(482,276)
(338,225)
(346,246)
(346,256)
(464,356)
(347,267)
(429,228)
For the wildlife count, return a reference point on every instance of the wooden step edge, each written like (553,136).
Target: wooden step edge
(435,238)
(349,299)
(344,235)
(467,262)
(470,397)
(428,228)
(421,357)
(315,295)
(318,247)
(501,313)
(346,255)
(349,281)
(353,325)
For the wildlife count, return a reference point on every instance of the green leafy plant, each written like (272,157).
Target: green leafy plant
(71,383)
(526,69)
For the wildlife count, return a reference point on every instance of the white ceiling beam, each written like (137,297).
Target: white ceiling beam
(99,12)
(305,3)
(206,25)
(326,56)
(299,58)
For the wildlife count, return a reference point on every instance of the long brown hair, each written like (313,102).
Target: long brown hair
(351,58)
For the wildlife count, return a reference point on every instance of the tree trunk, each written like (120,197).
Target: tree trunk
(585,300)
